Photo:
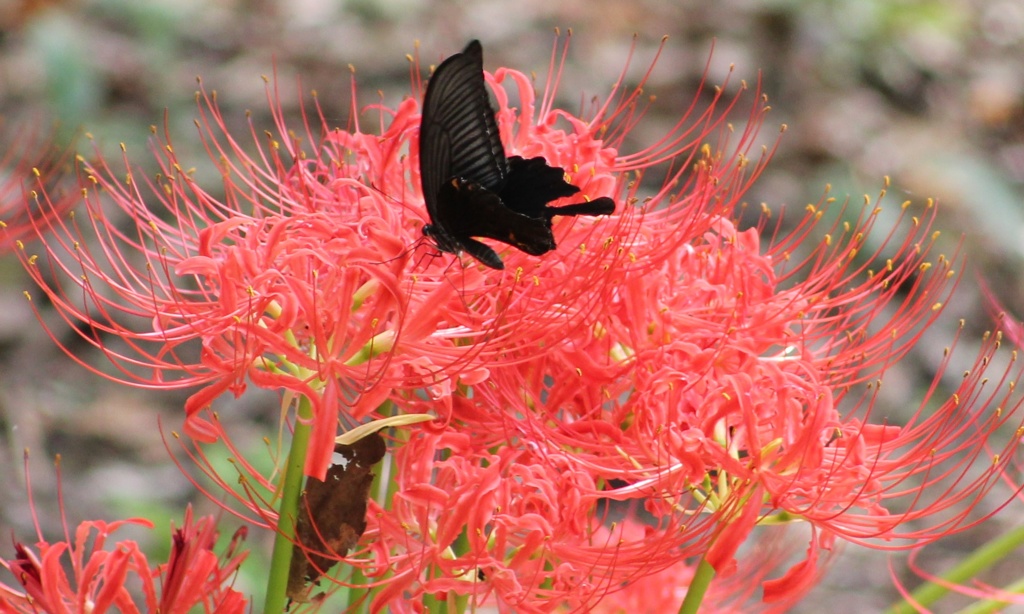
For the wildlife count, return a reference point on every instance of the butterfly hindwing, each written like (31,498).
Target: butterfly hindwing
(598,206)
(532,184)
(493,220)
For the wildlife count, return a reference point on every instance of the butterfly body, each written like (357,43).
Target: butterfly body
(470,187)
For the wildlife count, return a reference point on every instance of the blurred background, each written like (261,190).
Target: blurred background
(927,92)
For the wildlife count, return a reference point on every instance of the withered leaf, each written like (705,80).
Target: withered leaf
(332,514)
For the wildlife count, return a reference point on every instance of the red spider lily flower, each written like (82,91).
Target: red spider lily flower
(103,578)
(26,157)
(86,574)
(662,368)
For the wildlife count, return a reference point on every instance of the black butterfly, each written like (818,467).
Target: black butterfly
(471,189)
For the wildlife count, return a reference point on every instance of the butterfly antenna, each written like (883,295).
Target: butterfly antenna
(398,202)
(404,253)
(430,253)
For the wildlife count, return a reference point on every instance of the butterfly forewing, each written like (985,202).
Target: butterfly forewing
(459,135)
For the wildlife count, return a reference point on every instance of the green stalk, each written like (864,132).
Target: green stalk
(983,558)
(990,606)
(386,409)
(280,561)
(698,587)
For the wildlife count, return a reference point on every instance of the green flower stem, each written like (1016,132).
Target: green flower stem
(281,559)
(991,606)
(983,558)
(698,587)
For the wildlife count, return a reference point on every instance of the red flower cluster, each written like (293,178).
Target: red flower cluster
(644,396)
(120,578)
